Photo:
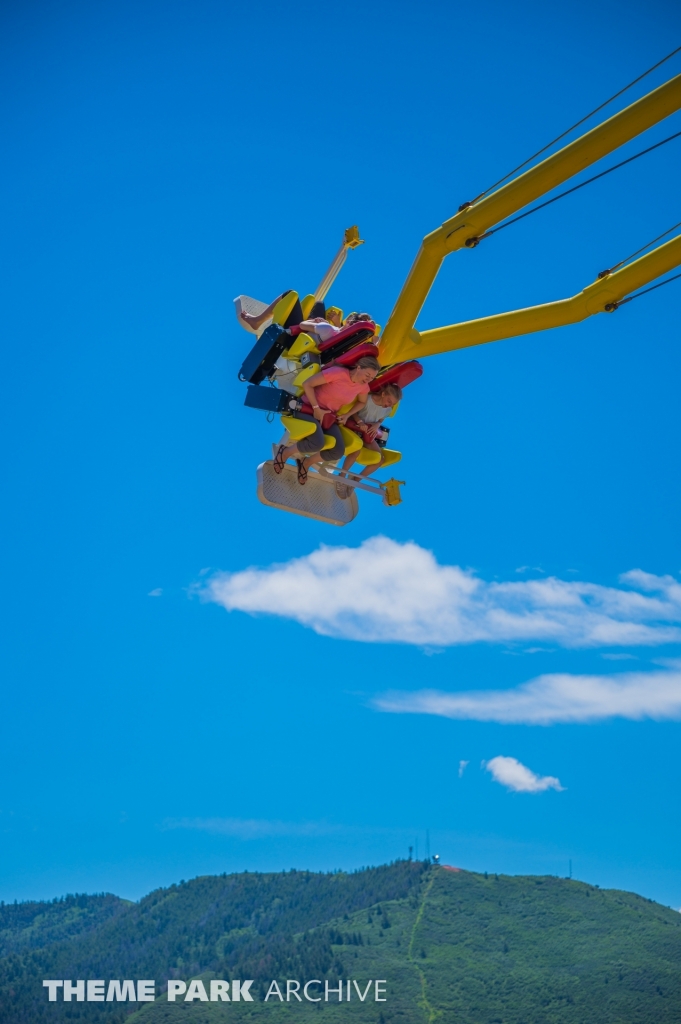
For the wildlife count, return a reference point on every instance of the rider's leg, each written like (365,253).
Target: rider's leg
(307,445)
(328,454)
(350,460)
(368,470)
(338,450)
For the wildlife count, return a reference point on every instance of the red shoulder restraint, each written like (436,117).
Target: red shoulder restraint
(349,358)
(400,374)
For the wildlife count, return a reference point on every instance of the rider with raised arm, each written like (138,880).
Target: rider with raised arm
(332,316)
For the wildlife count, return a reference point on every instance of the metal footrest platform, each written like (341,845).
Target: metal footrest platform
(316,500)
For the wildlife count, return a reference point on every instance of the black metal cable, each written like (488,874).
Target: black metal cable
(610,270)
(472,242)
(567,132)
(611,306)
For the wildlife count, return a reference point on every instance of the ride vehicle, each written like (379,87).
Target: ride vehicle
(276,368)
(284,357)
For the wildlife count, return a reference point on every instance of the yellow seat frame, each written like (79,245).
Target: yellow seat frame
(368,457)
(299,429)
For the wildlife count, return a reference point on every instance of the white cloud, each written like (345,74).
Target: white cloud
(516,776)
(385,592)
(156,592)
(462,767)
(264,828)
(253,828)
(549,699)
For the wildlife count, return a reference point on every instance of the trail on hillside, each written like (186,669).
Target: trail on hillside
(430,1011)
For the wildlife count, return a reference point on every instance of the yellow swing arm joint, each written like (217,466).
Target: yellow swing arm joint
(475,220)
(603,295)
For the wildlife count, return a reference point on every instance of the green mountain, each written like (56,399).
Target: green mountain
(450,946)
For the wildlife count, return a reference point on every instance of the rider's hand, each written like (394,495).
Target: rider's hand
(318,413)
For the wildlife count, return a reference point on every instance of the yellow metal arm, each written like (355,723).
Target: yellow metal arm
(477,219)
(351,240)
(593,299)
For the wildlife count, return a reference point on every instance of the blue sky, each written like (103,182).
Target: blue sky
(162,158)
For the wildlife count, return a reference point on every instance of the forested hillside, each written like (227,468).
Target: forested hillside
(451,946)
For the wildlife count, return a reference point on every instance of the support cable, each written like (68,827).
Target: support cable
(472,242)
(529,160)
(611,306)
(610,270)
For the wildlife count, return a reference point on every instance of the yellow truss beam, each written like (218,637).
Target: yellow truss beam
(593,299)
(398,338)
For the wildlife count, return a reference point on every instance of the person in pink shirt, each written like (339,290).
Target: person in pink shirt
(327,392)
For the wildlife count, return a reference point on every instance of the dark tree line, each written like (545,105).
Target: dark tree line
(259,926)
